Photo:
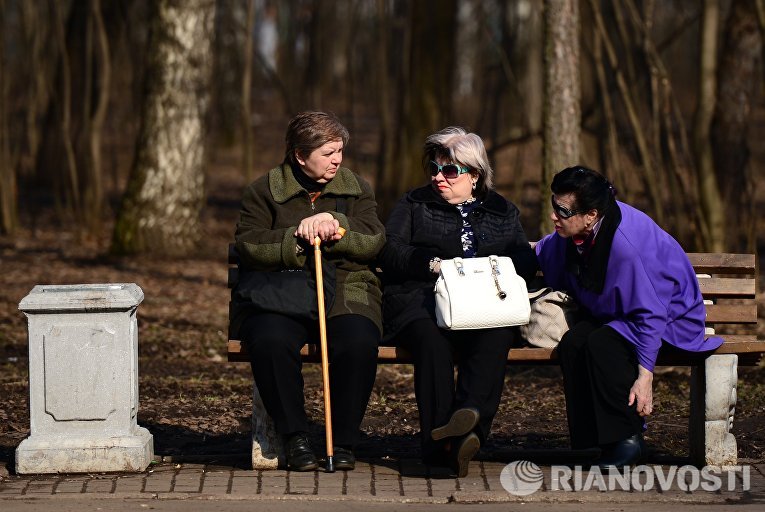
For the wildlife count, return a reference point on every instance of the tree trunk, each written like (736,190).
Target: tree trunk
(384,93)
(8,190)
(321,51)
(94,122)
(247,157)
(709,192)
(739,82)
(160,209)
(36,29)
(425,101)
(72,183)
(562,110)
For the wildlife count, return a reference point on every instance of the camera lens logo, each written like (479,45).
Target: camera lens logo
(521,478)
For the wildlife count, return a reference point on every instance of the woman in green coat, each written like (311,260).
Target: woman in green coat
(310,195)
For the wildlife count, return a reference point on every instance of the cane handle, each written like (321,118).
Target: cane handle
(317,240)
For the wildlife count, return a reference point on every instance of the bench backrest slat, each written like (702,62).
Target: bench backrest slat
(722,263)
(732,313)
(729,287)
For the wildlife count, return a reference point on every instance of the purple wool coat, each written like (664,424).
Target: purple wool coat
(650,291)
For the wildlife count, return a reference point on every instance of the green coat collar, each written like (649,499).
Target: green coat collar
(284,186)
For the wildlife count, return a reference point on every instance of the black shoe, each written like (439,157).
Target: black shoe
(344,459)
(300,456)
(622,453)
(463,452)
(462,421)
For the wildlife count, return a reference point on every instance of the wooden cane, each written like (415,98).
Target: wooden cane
(323,346)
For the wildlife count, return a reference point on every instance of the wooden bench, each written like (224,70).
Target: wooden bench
(728,283)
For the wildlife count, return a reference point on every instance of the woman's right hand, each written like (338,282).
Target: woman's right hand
(323,225)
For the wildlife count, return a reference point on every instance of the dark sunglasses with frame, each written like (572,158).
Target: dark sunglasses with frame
(561,211)
(450,171)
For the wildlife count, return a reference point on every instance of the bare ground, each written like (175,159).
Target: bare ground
(198,405)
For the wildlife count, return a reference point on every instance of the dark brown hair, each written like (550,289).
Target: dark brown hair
(310,130)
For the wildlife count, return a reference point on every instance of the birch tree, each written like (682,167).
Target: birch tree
(165,193)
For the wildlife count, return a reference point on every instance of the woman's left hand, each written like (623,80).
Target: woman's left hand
(642,392)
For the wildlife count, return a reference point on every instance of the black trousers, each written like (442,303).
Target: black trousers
(482,358)
(599,367)
(274,342)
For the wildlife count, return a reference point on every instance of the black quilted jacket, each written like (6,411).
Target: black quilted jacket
(422,225)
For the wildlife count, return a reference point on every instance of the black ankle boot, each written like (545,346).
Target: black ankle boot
(622,453)
(300,456)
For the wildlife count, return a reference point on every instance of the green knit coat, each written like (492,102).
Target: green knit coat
(272,208)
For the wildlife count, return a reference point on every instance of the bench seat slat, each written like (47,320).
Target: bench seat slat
(734,344)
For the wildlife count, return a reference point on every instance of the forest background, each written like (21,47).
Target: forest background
(128,129)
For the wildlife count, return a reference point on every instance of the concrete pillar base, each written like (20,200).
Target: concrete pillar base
(64,453)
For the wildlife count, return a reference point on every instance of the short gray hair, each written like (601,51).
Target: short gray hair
(464,148)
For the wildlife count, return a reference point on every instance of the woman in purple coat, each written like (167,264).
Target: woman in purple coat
(640,294)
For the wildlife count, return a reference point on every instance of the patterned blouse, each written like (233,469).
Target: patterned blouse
(468,237)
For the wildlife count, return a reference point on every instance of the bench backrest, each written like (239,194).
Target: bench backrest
(728,284)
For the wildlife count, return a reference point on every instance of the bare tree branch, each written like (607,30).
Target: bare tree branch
(650,177)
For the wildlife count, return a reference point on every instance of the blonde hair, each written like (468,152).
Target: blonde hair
(464,148)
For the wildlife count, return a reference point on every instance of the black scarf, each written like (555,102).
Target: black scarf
(591,266)
(306,181)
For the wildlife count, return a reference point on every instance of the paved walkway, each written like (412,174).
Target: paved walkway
(399,480)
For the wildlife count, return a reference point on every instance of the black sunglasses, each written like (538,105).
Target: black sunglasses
(450,171)
(562,211)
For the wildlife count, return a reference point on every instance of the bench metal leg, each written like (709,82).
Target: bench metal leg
(713,404)
(267,447)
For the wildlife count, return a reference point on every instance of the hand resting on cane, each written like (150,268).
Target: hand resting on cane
(322,225)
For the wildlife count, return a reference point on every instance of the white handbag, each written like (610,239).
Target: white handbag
(480,293)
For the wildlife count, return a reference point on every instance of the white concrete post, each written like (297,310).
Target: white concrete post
(83,381)
(267,447)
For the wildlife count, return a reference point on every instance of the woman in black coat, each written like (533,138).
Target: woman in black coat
(458,214)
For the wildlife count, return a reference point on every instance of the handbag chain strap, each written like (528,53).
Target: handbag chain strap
(494,273)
